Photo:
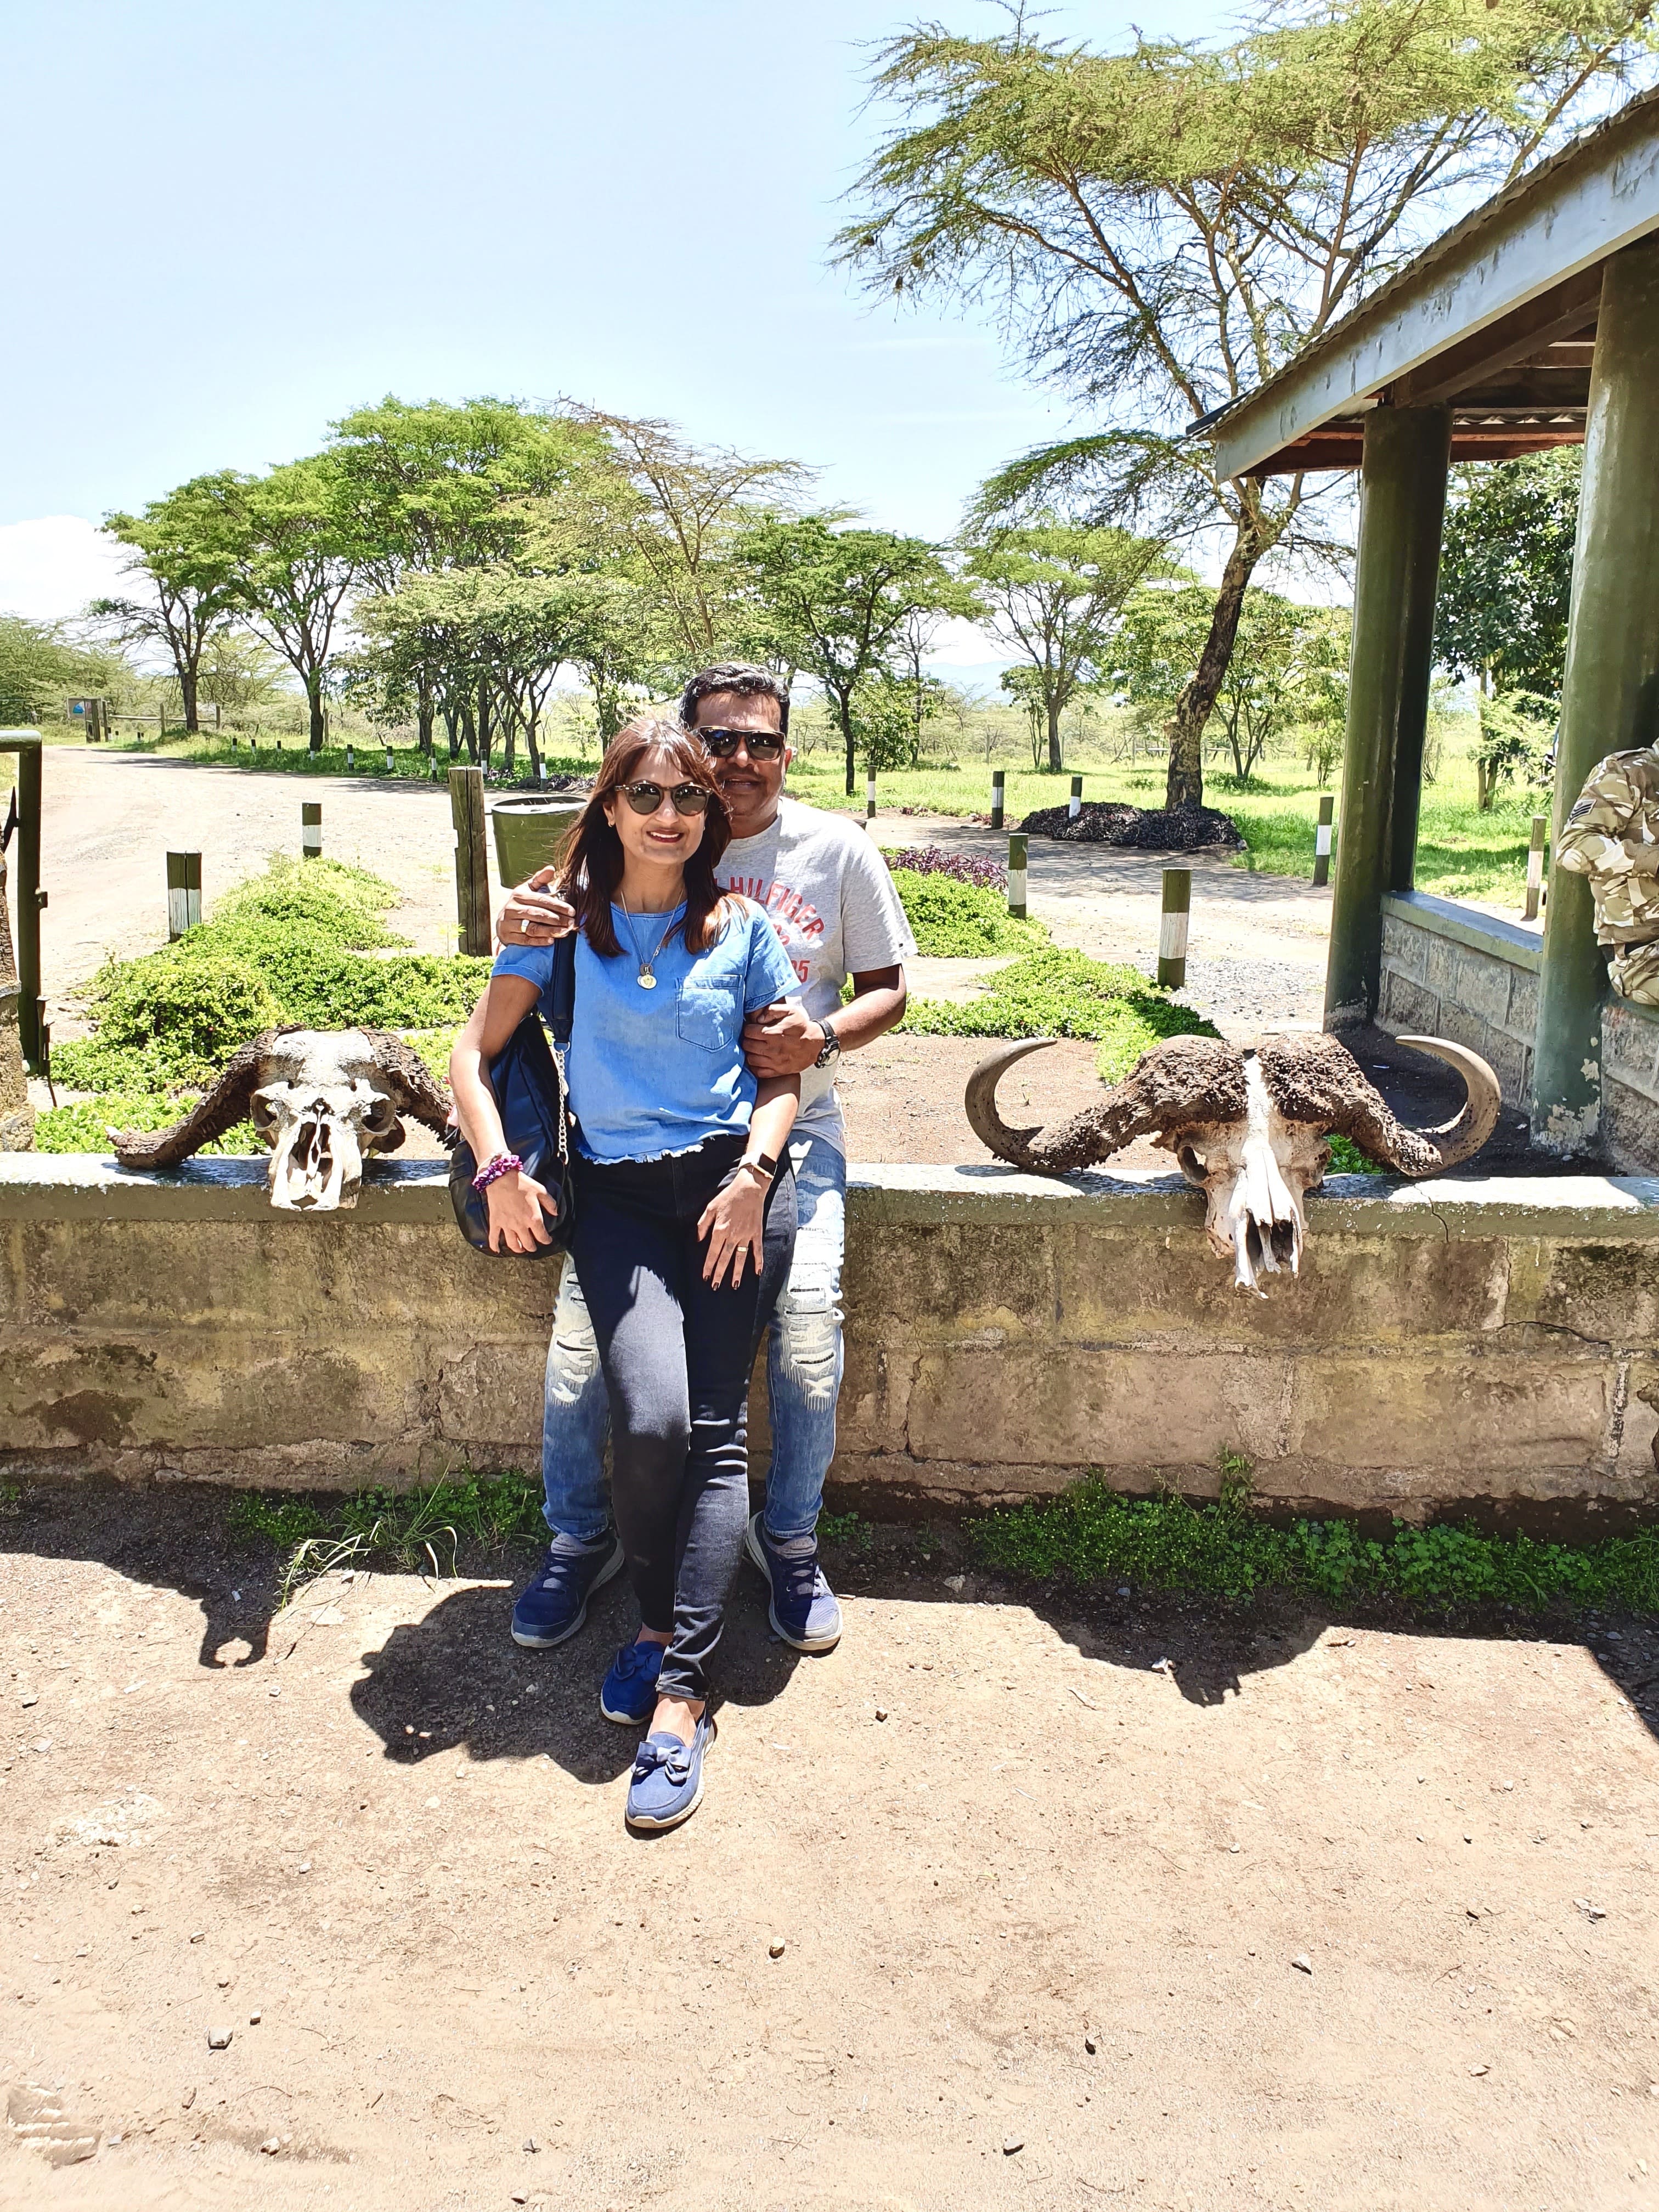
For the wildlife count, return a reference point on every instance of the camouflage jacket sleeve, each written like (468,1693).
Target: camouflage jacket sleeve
(1612,836)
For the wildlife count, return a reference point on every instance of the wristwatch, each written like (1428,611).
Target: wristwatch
(763,1163)
(831,1046)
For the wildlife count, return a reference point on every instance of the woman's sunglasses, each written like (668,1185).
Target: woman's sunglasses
(646,798)
(763,746)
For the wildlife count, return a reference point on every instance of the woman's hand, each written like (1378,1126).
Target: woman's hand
(515,1203)
(734,1223)
(533,914)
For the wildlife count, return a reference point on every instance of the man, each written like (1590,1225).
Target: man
(1612,836)
(832,903)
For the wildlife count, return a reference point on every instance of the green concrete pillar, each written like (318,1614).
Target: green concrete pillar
(1610,697)
(1402,505)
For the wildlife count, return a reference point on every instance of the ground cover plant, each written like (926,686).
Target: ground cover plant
(1094,1534)
(290,946)
(953,920)
(1051,991)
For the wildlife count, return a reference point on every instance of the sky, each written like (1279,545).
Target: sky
(228,224)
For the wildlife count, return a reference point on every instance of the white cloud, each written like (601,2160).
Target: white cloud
(50,568)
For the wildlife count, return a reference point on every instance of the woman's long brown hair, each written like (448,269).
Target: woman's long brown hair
(591,862)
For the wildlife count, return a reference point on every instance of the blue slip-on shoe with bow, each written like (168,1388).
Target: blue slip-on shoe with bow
(628,1693)
(667,1785)
(553,1605)
(804,1611)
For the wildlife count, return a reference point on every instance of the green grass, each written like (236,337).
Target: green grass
(1461,852)
(294,757)
(419,1531)
(1094,1535)
(1053,992)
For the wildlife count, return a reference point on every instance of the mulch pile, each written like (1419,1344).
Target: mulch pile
(1148,830)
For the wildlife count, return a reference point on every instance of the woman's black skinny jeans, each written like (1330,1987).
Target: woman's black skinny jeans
(677,1355)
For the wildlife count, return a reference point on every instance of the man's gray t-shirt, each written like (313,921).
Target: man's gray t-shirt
(827,892)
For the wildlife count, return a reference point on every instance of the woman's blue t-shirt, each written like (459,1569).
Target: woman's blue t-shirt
(655,1072)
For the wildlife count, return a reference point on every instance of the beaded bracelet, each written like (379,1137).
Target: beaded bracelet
(503,1163)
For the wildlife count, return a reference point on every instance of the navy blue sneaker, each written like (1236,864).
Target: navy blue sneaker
(667,1785)
(628,1693)
(555,1605)
(804,1611)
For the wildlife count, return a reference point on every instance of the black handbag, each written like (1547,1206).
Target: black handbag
(527,1077)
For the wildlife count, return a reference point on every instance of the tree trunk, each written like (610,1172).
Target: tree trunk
(486,731)
(845,707)
(530,745)
(187,697)
(423,716)
(1056,760)
(468,735)
(1184,786)
(314,699)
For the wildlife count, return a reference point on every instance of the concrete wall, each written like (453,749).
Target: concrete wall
(1448,1343)
(1448,970)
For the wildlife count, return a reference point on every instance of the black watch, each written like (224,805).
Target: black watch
(831,1046)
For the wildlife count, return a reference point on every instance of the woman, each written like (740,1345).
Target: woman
(685,1206)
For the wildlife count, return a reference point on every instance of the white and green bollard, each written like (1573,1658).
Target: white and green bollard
(869,796)
(184,893)
(997,789)
(391,766)
(351,759)
(1172,928)
(1016,874)
(1076,806)
(1535,867)
(311,828)
(1322,840)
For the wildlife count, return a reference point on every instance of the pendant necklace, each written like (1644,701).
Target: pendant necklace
(645,979)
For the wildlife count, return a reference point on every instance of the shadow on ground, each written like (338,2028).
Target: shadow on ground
(453,1678)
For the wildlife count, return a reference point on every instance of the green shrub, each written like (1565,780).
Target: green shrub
(85,1127)
(954,920)
(1053,992)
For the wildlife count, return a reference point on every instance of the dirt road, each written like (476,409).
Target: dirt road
(110,819)
(1043,1868)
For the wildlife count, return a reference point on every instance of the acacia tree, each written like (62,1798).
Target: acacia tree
(434,487)
(1161,227)
(294,552)
(1054,591)
(835,600)
(179,544)
(692,504)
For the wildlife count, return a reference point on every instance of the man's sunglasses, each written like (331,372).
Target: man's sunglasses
(646,798)
(762,745)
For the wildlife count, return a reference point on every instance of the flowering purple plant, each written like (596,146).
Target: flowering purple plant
(967,868)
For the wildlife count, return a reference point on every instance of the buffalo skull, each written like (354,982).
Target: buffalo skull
(323,1100)
(1248,1125)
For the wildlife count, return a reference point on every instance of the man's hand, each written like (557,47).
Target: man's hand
(533,914)
(782,1039)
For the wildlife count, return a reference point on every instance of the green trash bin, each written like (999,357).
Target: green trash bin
(529,833)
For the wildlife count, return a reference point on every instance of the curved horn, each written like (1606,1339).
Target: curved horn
(416,1091)
(1317,1080)
(1461,1138)
(979,1102)
(225,1104)
(1182,1082)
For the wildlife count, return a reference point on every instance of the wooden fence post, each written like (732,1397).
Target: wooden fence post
(997,788)
(1076,806)
(311,828)
(1322,840)
(1016,874)
(1172,928)
(1535,867)
(869,796)
(466,807)
(183,893)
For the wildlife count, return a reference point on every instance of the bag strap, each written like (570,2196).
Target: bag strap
(564,989)
(563,1010)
